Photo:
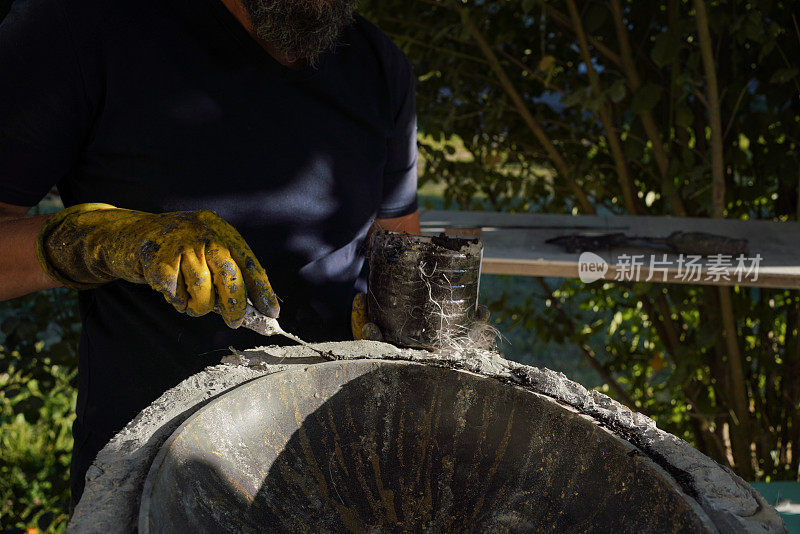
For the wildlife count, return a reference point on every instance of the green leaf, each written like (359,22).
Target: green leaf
(29,408)
(646,98)
(666,48)
(687,157)
(547,63)
(783,75)
(683,115)
(754,27)
(12,392)
(617,91)
(632,150)
(766,48)
(45,520)
(574,98)
(596,16)
(9,324)
(594,103)
(528,5)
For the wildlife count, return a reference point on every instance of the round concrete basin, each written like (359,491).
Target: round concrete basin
(379,446)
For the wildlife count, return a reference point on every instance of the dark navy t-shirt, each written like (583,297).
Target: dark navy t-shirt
(169,105)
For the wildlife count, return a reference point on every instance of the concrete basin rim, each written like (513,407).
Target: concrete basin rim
(143,523)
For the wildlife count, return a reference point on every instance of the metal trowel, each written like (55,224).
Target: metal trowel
(267,326)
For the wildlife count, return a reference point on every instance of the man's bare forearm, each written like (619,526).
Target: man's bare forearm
(407,223)
(20,272)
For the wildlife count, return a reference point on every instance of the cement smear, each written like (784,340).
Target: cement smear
(114,482)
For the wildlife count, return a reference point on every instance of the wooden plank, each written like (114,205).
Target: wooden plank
(515,244)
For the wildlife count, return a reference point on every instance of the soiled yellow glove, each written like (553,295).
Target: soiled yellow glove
(360,324)
(194,258)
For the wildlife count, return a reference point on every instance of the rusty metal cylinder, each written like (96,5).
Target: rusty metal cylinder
(423,291)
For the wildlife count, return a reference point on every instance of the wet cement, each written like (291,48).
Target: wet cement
(114,482)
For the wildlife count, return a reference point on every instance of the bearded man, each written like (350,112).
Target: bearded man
(207,152)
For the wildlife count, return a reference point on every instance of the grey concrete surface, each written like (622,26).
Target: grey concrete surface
(112,499)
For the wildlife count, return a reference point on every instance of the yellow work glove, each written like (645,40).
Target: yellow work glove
(364,328)
(360,324)
(194,258)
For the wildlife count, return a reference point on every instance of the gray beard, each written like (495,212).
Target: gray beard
(300,29)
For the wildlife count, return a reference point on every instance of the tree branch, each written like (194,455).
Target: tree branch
(714,116)
(564,21)
(555,156)
(741,403)
(741,432)
(455,53)
(436,3)
(736,108)
(649,123)
(535,75)
(614,144)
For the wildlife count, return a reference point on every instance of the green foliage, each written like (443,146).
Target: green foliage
(664,345)
(38,364)
(516,114)
(520,312)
